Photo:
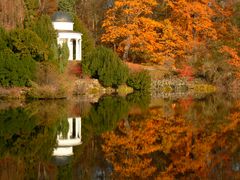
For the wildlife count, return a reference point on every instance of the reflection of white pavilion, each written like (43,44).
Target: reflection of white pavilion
(63,23)
(73,138)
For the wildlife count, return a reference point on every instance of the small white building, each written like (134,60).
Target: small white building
(63,24)
(73,138)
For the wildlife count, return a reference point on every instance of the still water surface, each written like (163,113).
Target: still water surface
(133,137)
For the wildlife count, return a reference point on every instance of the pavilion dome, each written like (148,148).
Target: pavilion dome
(61,17)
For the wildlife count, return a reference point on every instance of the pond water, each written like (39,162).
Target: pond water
(133,137)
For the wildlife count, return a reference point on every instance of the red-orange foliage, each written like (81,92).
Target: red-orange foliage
(186,71)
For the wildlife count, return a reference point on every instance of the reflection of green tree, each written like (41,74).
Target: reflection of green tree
(63,127)
(104,115)
(22,137)
(65,171)
(29,134)
(139,98)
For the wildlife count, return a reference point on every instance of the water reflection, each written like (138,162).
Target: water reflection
(180,139)
(103,116)
(121,138)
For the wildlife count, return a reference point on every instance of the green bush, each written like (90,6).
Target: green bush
(24,42)
(103,64)
(140,81)
(15,71)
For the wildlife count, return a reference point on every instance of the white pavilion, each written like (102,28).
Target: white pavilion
(63,24)
(73,138)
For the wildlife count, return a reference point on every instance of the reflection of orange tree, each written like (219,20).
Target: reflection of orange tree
(126,151)
(190,151)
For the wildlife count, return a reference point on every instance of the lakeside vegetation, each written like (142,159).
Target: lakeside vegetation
(199,41)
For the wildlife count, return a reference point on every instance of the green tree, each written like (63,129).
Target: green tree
(67,6)
(63,53)
(88,43)
(25,42)
(44,29)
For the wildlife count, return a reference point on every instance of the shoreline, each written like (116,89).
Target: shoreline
(92,89)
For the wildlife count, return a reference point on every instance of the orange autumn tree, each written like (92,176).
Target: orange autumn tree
(125,23)
(192,20)
(233,57)
(129,27)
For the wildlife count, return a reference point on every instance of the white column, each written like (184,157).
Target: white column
(58,41)
(70,130)
(70,48)
(77,50)
(80,49)
(79,128)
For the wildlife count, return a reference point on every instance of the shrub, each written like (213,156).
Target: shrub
(103,64)
(14,71)
(46,92)
(140,81)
